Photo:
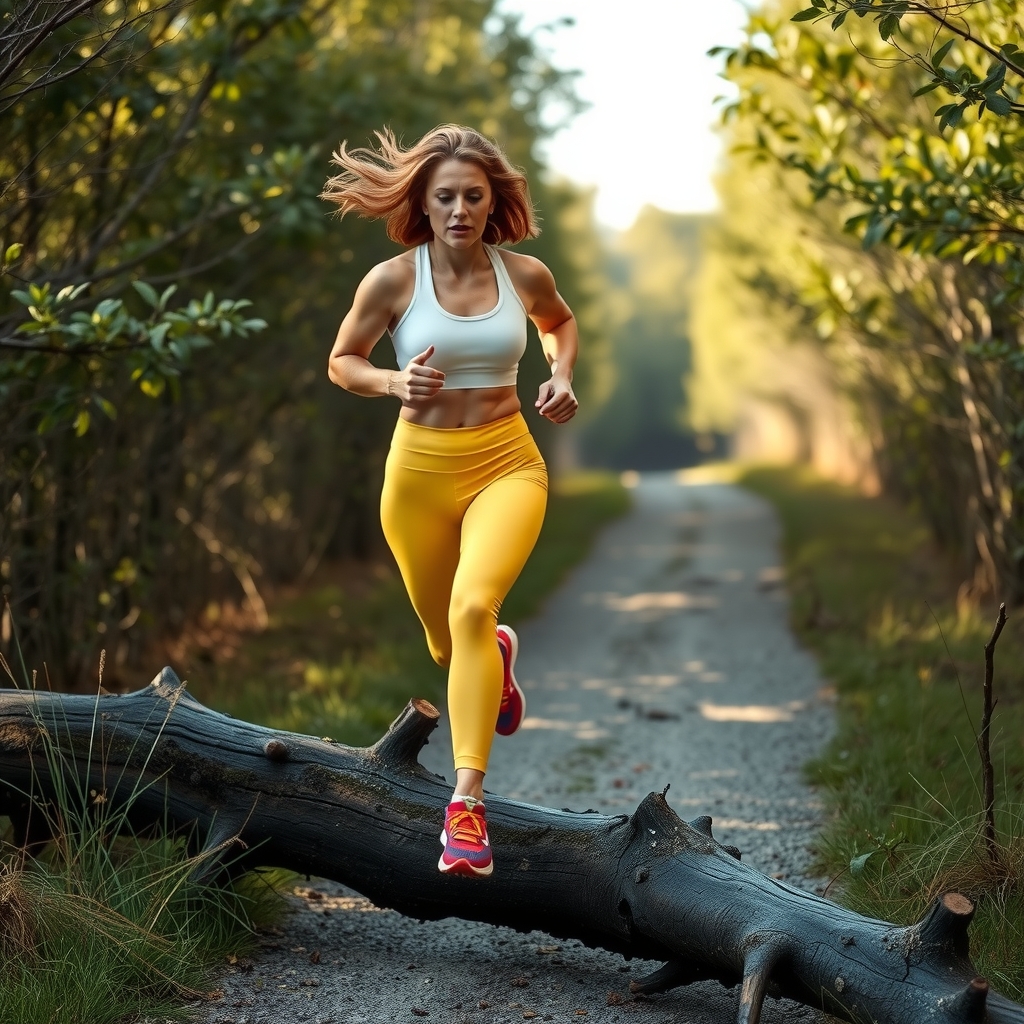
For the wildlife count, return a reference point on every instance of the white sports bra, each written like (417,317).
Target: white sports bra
(480,351)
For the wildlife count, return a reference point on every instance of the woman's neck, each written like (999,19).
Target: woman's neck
(458,262)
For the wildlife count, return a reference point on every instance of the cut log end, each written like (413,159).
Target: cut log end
(957,904)
(276,750)
(946,924)
(970,1005)
(425,708)
(408,734)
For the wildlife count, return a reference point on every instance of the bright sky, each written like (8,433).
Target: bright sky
(648,79)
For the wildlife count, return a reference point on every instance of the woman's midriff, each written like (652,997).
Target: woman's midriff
(466,407)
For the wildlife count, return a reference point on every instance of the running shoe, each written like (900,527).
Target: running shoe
(466,848)
(513,700)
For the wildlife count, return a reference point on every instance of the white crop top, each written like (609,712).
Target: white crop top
(480,351)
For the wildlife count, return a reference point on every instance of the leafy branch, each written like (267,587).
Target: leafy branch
(156,348)
(987,92)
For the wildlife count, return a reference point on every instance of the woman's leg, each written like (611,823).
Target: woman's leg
(499,530)
(422,526)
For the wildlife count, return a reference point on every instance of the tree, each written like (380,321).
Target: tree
(185,144)
(921,325)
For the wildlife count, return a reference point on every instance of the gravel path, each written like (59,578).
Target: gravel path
(665,658)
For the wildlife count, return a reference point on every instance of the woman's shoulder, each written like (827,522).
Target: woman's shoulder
(392,278)
(529,275)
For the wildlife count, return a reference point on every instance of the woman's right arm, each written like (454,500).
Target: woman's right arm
(373,308)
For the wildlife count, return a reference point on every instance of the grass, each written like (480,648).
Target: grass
(343,655)
(877,602)
(102,926)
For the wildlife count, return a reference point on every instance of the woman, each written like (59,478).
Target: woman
(465,487)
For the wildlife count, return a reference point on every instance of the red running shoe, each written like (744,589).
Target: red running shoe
(466,848)
(513,700)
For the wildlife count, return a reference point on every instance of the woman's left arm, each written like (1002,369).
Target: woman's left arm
(559,336)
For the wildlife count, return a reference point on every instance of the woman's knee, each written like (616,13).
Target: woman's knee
(473,613)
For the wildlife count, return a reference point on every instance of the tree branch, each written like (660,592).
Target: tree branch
(44,30)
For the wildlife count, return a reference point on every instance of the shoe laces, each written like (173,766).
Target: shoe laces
(467,826)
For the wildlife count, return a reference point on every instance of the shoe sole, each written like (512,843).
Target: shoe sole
(464,868)
(510,633)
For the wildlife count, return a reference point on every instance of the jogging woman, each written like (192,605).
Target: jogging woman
(465,487)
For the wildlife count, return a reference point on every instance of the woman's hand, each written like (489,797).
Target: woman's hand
(418,383)
(556,401)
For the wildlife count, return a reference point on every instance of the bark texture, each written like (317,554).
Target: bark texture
(648,884)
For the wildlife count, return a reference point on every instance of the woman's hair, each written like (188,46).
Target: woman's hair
(390,184)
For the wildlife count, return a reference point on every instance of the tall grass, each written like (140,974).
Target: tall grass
(878,603)
(103,926)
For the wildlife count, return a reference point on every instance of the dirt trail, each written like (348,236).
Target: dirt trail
(665,658)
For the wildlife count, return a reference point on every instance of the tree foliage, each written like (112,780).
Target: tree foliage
(921,319)
(162,453)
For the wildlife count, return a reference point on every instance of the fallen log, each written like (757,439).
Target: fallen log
(646,885)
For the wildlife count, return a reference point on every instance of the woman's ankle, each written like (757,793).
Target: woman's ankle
(469,782)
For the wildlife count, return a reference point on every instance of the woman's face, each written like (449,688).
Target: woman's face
(458,200)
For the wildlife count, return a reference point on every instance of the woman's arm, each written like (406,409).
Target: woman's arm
(559,336)
(377,298)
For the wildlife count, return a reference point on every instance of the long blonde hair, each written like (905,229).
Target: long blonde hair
(389,184)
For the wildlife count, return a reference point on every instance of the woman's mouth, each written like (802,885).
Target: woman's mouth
(460,229)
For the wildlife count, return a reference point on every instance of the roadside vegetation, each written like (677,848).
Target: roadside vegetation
(877,602)
(868,250)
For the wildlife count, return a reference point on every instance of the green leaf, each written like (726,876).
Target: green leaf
(940,54)
(81,423)
(167,293)
(147,291)
(998,104)
(106,406)
(158,333)
(888,25)
(951,115)
(877,230)
(13,253)
(858,864)
(809,15)
(927,88)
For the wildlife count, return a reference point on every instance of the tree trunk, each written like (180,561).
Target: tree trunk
(649,885)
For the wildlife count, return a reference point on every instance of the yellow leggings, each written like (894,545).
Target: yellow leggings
(461,510)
